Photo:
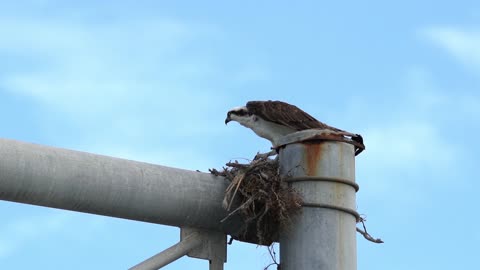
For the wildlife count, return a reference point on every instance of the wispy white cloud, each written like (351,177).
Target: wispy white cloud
(148,81)
(403,158)
(104,66)
(427,99)
(462,44)
(136,74)
(410,145)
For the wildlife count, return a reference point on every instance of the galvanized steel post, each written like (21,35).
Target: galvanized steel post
(323,235)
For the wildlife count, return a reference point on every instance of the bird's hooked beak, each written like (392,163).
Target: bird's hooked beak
(228,119)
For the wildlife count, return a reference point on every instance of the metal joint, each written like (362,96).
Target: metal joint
(195,243)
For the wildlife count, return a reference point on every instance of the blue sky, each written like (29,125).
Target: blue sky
(152,81)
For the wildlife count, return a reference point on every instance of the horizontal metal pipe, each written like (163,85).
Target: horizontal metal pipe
(170,254)
(84,182)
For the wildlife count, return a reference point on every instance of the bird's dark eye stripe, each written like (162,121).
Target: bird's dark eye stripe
(240,113)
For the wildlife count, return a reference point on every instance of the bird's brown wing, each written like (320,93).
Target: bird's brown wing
(286,114)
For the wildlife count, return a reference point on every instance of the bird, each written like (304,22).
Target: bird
(274,119)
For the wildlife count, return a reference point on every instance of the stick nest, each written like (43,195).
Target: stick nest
(266,203)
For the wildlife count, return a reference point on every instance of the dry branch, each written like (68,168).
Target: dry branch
(366,235)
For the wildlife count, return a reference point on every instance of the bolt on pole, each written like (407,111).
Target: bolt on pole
(323,235)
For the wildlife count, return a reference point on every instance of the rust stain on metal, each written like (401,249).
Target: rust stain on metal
(313,152)
(359,146)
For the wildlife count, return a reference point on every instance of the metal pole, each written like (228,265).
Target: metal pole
(216,265)
(322,236)
(171,254)
(96,184)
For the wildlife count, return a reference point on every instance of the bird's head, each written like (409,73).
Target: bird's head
(240,115)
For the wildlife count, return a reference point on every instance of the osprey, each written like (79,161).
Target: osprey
(274,119)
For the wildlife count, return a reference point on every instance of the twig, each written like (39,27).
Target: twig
(271,250)
(268,266)
(265,155)
(237,165)
(243,206)
(216,172)
(240,176)
(366,235)
(273,255)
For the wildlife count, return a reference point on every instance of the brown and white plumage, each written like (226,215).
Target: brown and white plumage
(286,114)
(274,119)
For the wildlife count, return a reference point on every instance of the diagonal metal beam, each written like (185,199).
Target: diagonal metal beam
(171,254)
(201,244)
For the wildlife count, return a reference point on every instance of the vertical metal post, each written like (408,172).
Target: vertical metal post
(216,265)
(322,236)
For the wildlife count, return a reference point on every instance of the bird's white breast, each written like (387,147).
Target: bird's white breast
(269,130)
